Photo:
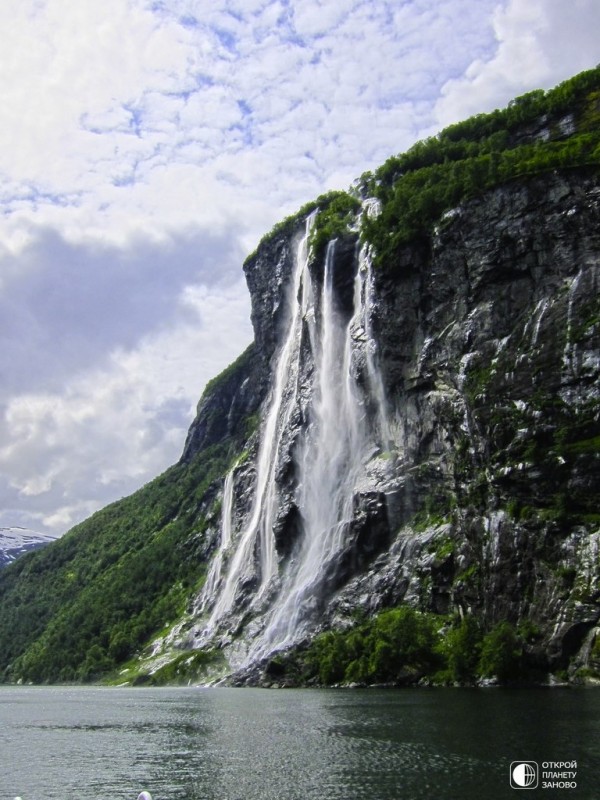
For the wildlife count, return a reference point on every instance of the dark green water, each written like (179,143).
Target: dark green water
(246,744)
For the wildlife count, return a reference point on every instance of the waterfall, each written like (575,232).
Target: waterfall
(374,374)
(539,310)
(329,460)
(215,573)
(570,349)
(259,529)
(338,436)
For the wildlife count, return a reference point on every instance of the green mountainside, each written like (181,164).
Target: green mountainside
(87,606)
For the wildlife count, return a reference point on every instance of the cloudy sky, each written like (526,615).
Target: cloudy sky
(146,146)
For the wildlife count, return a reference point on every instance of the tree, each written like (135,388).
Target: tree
(501,653)
(463,649)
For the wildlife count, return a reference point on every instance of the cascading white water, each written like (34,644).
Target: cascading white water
(365,266)
(330,459)
(570,348)
(215,574)
(282,401)
(330,455)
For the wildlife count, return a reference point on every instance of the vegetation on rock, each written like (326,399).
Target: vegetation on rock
(487,150)
(403,646)
(335,217)
(81,608)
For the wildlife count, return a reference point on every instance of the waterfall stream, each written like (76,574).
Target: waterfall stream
(329,458)
(330,452)
(215,573)
(259,529)
(365,301)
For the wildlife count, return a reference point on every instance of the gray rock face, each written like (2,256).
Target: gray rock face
(486,500)
(227,404)
(490,343)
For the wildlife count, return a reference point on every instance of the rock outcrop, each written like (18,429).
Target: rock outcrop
(490,346)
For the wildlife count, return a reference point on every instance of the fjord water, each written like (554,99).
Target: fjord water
(255,744)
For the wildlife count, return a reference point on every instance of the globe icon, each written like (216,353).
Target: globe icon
(524,775)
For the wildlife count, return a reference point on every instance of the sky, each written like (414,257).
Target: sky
(145,148)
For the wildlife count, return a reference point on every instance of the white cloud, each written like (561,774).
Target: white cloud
(145,148)
(119,425)
(539,43)
(114,110)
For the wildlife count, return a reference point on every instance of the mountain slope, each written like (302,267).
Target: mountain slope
(416,425)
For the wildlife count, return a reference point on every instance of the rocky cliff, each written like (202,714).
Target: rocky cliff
(416,426)
(485,500)
(489,341)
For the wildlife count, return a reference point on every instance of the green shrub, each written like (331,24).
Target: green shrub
(476,155)
(502,653)
(337,211)
(395,645)
(462,648)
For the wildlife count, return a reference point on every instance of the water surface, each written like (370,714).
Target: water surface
(253,744)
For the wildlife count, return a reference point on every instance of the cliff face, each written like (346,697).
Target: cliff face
(489,345)
(478,491)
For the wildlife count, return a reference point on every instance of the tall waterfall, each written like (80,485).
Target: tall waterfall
(365,286)
(259,529)
(330,458)
(330,453)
